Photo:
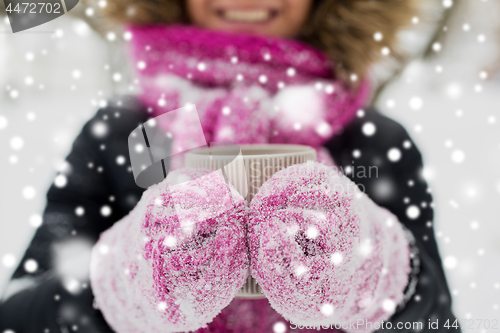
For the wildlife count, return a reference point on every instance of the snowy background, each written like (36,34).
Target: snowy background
(54,79)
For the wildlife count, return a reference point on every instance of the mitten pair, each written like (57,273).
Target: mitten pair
(321,251)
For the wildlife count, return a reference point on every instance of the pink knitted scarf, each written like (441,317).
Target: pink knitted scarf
(246,88)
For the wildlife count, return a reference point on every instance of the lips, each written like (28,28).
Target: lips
(247,15)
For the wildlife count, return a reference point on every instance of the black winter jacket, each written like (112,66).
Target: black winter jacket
(37,301)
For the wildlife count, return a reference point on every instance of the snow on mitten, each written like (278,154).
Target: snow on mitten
(176,260)
(323,252)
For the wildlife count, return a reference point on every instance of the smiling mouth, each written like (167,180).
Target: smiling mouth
(247,15)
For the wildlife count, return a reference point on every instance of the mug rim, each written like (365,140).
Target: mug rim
(252,151)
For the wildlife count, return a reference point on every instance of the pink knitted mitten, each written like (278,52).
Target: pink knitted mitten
(323,252)
(176,260)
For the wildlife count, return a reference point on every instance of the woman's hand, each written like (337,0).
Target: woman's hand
(176,260)
(322,251)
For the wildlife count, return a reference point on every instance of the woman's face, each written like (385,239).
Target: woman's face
(281,18)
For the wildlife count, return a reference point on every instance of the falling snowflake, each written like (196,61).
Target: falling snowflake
(105,211)
(30,116)
(9,260)
(139,148)
(111,36)
(99,129)
(60,181)
(300,270)
(170,241)
(312,232)
(29,192)
(369,129)
(29,80)
(127,35)
(279,327)
(385,51)
(366,247)
(76,74)
(416,103)
(394,154)
(72,285)
(104,249)
(337,258)
(389,305)
(29,56)
(447,3)
(13,159)
(327,310)
(201,66)
(120,160)
(413,212)
(35,220)
(79,211)
(450,262)
(117,77)
(390,103)
(30,265)
(16,143)
(458,156)
(3,122)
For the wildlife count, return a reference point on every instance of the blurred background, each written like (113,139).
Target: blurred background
(445,89)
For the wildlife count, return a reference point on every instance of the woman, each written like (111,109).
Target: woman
(180,64)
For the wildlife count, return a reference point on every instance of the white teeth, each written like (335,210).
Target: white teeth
(247,15)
